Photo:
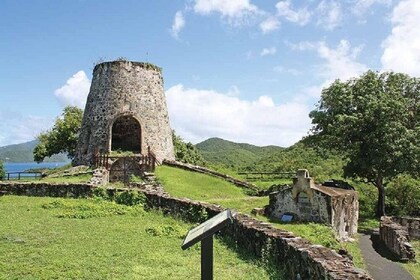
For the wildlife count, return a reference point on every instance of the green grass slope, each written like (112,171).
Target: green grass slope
(41,239)
(23,153)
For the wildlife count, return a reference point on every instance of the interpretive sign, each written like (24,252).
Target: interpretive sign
(207,228)
(204,233)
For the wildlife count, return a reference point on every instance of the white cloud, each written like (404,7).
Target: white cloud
(268,51)
(402,47)
(269,25)
(178,24)
(329,14)
(340,62)
(23,128)
(362,6)
(75,91)
(199,114)
(235,11)
(298,16)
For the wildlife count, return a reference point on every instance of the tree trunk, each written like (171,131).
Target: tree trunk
(380,207)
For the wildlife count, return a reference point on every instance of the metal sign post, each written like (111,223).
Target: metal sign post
(204,233)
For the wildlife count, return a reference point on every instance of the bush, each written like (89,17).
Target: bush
(2,171)
(403,196)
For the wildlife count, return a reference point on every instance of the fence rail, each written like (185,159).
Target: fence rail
(22,174)
(266,176)
(105,160)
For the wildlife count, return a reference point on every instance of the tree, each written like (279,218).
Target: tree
(62,138)
(374,120)
(186,152)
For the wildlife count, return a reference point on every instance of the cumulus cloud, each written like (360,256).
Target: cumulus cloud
(402,47)
(75,91)
(282,69)
(235,12)
(268,51)
(329,14)
(178,24)
(269,25)
(199,114)
(298,16)
(340,62)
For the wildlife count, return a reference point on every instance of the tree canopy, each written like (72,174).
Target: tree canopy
(62,138)
(186,152)
(374,121)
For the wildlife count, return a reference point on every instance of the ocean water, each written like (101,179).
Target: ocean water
(22,166)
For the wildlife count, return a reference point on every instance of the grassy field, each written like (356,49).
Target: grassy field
(197,186)
(46,238)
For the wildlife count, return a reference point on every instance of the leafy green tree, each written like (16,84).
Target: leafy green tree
(2,171)
(374,121)
(186,152)
(62,138)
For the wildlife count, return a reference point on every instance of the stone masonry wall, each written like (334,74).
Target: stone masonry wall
(301,259)
(396,239)
(411,224)
(129,89)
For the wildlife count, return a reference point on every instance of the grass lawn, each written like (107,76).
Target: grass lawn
(49,238)
(197,186)
(414,267)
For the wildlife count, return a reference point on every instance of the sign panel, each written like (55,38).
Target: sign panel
(207,228)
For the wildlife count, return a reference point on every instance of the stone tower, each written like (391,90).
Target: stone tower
(125,111)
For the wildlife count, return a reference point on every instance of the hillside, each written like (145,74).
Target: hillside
(23,153)
(231,154)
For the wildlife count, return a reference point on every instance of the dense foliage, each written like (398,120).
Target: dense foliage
(2,171)
(186,152)
(374,121)
(62,138)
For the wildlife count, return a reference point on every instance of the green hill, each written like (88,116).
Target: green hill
(231,154)
(23,153)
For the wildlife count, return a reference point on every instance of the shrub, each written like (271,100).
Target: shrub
(403,196)
(130,198)
(2,171)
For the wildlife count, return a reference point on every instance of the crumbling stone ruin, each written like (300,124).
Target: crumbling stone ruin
(305,201)
(396,236)
(125,111)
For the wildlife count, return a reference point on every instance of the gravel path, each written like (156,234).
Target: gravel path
(378,260)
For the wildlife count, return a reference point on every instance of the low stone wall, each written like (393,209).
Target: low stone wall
(395,237)
(200,169)
(46,189)
(411,224)
(301,259)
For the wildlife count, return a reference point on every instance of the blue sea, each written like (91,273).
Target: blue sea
(23,166)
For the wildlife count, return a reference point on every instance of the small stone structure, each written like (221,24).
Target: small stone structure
(305,201)
(396,239)
(125,111)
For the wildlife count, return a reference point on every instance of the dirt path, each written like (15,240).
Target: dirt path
(379,262)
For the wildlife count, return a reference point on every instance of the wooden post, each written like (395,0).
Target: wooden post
(207,258)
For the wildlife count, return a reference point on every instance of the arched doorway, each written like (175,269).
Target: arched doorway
(126,135)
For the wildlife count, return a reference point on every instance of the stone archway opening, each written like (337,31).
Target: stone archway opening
(126,135)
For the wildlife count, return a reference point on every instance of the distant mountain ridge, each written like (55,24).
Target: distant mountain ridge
(219,151)
(23,153)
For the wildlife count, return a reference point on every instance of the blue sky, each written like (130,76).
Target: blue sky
(247,71)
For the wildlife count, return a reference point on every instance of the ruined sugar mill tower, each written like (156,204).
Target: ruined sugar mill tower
(125,111)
